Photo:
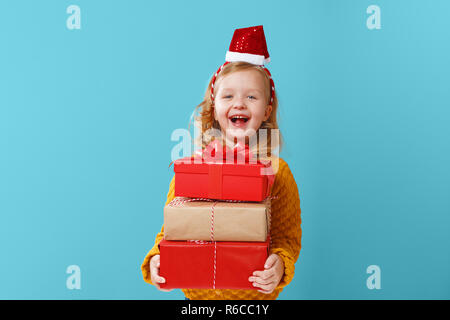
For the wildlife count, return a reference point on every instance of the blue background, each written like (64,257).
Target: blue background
(86,117)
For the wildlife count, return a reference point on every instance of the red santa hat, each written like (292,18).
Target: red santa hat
(248,45)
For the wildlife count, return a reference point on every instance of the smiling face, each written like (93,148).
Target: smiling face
(241,103)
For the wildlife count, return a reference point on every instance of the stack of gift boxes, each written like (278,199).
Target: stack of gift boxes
(217,228)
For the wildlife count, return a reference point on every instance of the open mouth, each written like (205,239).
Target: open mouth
(239,120)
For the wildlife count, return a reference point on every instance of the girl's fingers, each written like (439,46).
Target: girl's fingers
(160,279)
(261,280)
(155,260)
(156,278)
(155,263)
(159,288)
(266,274)
(265,292)
(265,287)
(271,260)
(154,271)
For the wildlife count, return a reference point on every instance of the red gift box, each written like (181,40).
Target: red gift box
(210,265)
(224,181)
(211,176)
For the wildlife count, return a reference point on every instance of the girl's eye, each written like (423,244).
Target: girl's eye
(227,97)
(251,97)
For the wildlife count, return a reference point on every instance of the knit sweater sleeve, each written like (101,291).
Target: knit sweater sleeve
(285,222)
(145,267)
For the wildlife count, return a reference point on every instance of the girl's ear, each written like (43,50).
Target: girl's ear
(268,112)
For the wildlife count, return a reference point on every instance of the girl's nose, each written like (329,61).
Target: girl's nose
(239,103)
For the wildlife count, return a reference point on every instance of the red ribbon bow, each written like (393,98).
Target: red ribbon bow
(216,152)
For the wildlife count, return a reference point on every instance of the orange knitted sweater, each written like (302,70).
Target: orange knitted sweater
(285,234)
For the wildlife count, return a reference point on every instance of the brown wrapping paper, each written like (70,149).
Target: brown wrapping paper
(233,221)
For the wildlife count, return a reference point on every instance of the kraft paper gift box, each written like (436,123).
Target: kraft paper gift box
(185,219)
(210,265)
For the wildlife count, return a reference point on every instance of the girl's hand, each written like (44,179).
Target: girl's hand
(268,279)
(154,273)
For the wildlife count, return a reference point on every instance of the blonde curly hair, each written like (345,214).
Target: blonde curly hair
(208,124)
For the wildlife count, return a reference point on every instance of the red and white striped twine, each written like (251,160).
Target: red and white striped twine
(215,259)
(212,221)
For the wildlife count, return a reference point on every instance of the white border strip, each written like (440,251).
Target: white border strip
(247,57)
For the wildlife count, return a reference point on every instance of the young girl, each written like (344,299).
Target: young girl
(240,101)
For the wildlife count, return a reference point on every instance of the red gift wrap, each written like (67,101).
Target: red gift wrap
(211,265)
(210,176)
